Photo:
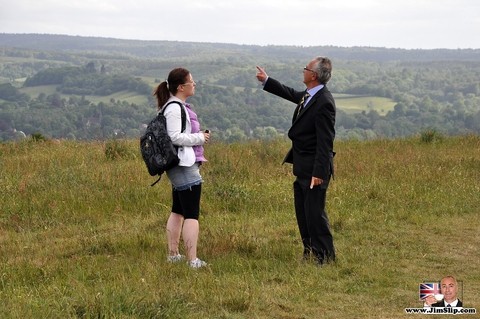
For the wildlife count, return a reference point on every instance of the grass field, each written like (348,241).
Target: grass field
(130,97)
(356,104)
(82,233)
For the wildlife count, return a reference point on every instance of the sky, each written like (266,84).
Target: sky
(407,24)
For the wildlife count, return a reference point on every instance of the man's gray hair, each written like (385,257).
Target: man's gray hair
(323,68)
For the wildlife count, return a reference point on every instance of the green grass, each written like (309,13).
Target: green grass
(356,104)
(82,234)
(130,97)
(34,91)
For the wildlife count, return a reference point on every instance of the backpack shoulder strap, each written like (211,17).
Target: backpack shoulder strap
(158,180)
(182,112)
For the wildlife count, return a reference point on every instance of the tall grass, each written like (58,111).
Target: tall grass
(82,232)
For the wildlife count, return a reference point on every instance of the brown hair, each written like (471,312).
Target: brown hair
(170,86)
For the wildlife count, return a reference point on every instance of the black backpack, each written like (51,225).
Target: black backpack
(158,151)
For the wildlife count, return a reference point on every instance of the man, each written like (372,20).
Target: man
(312,134)
(449,290)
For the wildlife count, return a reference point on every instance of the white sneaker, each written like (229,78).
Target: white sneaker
(175,258)
(197,263)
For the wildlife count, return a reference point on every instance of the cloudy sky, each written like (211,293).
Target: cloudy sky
(409,24)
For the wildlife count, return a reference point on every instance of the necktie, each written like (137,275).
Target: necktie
(301,104)
(449,305)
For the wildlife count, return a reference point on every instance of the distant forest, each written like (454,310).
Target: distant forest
(100,88)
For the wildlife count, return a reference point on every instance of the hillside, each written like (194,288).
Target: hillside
(82,232)
(381,93)
(201,51)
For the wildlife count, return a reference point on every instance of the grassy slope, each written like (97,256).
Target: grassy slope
(81,235)
(128,96)
(356,104)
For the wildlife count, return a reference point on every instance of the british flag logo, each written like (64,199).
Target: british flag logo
(428,288)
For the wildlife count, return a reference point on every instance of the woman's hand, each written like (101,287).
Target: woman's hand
(206,135)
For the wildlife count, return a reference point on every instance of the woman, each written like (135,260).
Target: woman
(185,178)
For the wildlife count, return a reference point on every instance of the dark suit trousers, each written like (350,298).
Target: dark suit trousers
(313,221)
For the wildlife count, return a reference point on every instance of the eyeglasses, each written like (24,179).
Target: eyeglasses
(189,82)
(307,69)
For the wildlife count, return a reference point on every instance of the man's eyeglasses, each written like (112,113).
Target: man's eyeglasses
(307,69)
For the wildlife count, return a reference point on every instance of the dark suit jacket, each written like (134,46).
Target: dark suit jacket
(312,132)
(442,304)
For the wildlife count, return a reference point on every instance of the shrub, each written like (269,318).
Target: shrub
(38,137)
(431,136)
(115,149)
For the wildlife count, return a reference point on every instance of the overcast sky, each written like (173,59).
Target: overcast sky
(409,24)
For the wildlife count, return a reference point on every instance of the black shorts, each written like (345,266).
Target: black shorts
(187,202)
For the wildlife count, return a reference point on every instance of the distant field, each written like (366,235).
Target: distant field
(150,80)
(36,90)
(130,97)
(355,103)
